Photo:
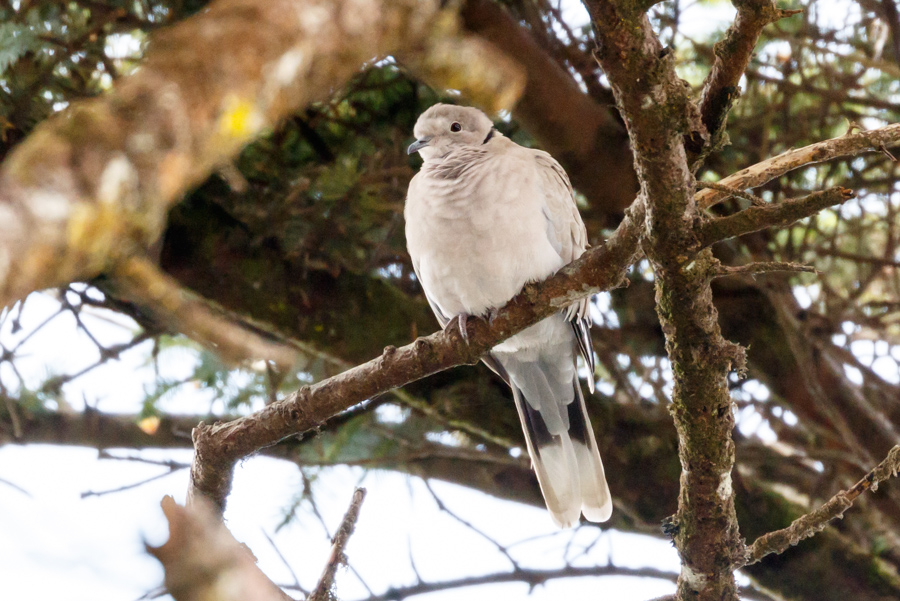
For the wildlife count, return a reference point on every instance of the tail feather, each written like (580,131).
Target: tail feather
(553,457)
(596,502)
(559,438)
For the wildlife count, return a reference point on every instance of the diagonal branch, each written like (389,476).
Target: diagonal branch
(219,447)
(765,171)
(812,523)
(323,590)
(771,215)
(733,53)
(232,337)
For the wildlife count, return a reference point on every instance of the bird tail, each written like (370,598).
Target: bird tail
(560,439)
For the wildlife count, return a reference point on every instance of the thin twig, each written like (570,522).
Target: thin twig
(754,199)
(762,267)
(502,549)
(169,463)
(15,487)
(290,570)
(337,558)
(529,576)
(814,522)
(100,493)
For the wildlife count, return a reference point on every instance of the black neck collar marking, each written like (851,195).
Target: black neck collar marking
(490,135)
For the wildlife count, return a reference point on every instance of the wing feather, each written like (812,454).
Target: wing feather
(567,234)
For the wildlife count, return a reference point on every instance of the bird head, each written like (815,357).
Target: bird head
(446,127)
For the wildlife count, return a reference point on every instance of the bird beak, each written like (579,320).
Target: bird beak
(418,145)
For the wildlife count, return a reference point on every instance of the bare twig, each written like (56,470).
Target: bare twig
(91,493)
(754,199)
(15,487)
(529,576)
(296,585)
(814,522)
(169,463)
(326,582)
(502,549)
(762,267)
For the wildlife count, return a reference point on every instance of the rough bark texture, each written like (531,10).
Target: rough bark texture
(658,112)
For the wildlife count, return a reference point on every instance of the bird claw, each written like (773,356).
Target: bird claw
(460,320)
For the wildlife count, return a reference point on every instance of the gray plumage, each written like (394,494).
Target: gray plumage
(484,216)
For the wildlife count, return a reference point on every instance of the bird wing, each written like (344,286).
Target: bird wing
(443,320)
(567,234)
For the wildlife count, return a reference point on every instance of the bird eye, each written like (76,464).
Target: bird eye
(454,127)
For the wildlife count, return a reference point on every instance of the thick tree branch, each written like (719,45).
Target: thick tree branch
(202,559)
(814,522)
(94,182)
(232,337)
(220,446)
(91,428)
(658,114)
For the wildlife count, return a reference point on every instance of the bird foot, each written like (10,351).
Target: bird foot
(461,320)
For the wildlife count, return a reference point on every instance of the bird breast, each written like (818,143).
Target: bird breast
(477,231)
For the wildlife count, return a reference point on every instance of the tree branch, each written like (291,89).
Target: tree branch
(529,576)
(95,182)
(765,171)
(758,218)
(732,55)
(658,113)
(219,447)
(762,267)
(323,590)
(230,336)
(812,523)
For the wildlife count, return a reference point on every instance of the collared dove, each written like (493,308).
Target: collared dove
(484,216)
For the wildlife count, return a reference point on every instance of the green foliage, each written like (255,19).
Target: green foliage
(15,41)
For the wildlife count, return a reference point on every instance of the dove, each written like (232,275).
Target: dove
(484,216)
